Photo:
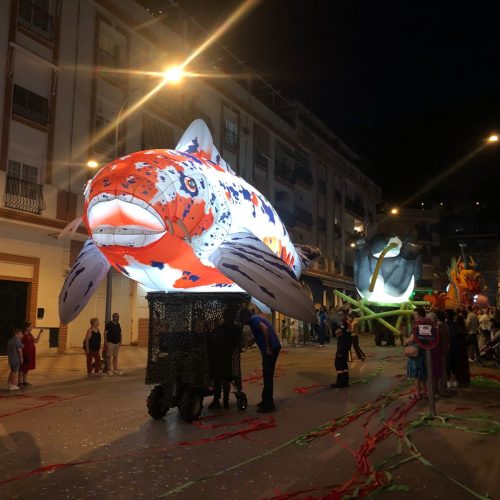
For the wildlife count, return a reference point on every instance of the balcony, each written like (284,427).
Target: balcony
(231,139)
(303,217)
(23,195)
(36,20)
(285,172)
(111,62)
(287,217)
(31,106)
(261,160)
(355,206)
(304,176)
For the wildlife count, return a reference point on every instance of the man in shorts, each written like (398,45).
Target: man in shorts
(15,357)
(112,343)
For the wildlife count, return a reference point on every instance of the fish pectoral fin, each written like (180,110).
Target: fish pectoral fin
(262,307)
(88,271)
(248,262)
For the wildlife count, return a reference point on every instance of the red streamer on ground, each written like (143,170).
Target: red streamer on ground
(47,400)
(254,424)
(366,478)
(491,376)
(307,388)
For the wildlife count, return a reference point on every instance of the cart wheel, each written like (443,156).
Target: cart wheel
(242,401)
(155,404)
(191,405)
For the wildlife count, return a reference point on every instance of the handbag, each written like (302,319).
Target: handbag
(411,351)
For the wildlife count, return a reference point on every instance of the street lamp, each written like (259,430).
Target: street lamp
(394,211)
(173,74)
(493,138)
(92,164)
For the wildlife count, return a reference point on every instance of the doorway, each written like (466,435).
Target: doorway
(13,301)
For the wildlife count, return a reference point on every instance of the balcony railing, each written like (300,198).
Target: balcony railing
(305,176)
(113,62)
(36,20)
(31,106)
(261,160)
(287,217)
(286,172)
(23,195)
(231,139)
(355,206)
(303,216)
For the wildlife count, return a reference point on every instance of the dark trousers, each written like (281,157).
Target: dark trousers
(341,362)
(268,365)
(321,335)
(473,346)
(355,343)
(93,355)
(221,387)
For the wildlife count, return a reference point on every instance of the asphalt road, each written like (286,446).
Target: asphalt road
(94,438)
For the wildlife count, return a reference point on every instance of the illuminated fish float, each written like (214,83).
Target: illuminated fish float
(182,221)
(386,269)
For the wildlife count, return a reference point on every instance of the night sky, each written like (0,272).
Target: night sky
(411,86)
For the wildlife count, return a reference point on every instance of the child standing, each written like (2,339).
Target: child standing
(15,356)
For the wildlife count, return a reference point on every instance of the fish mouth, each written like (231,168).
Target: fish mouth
(128,221)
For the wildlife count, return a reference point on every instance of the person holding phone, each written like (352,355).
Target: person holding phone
(29,353)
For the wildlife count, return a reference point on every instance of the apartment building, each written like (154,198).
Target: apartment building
(70,68)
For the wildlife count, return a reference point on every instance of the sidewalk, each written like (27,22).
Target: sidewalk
(54,368)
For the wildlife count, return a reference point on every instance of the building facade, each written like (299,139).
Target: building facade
(69,69)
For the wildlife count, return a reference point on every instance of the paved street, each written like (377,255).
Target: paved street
(94,438)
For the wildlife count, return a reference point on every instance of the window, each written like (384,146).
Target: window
(155,134)
(23,172)
(35,16)
(231,138)
(261,146)
(31,106)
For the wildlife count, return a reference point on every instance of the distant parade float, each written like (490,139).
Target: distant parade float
(464,288)
(182,221)
(385,272)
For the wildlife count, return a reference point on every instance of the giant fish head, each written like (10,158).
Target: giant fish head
(386,269)
(154,214)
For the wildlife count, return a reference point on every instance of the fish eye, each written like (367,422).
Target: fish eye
(190,184)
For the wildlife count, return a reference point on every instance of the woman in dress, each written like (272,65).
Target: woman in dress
(29,353)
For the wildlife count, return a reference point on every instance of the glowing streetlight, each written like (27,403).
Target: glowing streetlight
(493,138)
(92,164)
(173,75)
(394,211)
(352,245)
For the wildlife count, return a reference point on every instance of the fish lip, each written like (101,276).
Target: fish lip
(131,229)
